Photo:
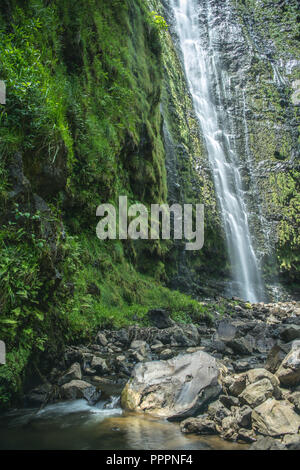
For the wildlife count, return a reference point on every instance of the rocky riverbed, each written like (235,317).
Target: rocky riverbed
(236,377)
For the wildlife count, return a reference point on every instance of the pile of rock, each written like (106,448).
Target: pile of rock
(238,377)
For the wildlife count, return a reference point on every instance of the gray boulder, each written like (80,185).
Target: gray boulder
(175,389)
(80,389)
(275,418)
(289,370)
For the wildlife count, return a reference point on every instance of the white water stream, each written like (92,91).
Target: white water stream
(206,79)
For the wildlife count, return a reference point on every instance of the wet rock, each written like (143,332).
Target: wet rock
(160,318)
(176,389)
(74,373)
(289,370)
(267,443)
(79,389)
(201,425)
(275,418)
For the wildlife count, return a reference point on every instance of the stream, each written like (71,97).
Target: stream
(77,426)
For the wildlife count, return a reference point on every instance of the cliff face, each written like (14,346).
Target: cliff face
(271,38)
(257,45)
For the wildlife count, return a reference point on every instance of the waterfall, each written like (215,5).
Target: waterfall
(209,84)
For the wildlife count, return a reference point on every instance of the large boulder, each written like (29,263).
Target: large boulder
(80,389)
(257,393)
(175,389)
(275,418)
(289,370)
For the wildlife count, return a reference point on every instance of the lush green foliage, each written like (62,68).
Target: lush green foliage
(83,82)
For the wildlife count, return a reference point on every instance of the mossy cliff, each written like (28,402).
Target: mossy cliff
(82,125)
(271,33)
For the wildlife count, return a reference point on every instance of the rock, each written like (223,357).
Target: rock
(157,346)
(201,425)
(79,389)
(229,401)
(290,333)
(122,336)
(99,364)
(275,418)
(238,385)
(246,435)
(254,375)
(137,357)
(101,339)
(74,373)
(241,366)
(294,398)
(217,411)
(141,347)
(267,443)
(243,416)
(241,346)
(226,331)
(257,393)
(175,389)
(166,354)
(289,370)
(275,357)
(229,428)
(291,441)
(160,318)
(39,395)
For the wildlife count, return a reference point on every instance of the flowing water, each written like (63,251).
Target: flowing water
(78,426)
(210,86)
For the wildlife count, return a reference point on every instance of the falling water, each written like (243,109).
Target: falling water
(203,72)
